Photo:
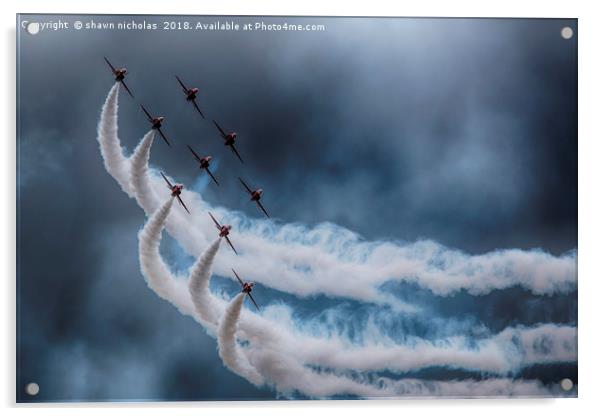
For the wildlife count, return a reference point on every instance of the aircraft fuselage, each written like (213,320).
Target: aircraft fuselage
(176,190)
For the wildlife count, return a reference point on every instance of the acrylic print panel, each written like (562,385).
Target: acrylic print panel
(296,208)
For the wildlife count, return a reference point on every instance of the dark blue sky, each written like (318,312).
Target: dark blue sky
(463,131)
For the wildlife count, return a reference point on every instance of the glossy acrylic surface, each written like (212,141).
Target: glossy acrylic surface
(417,233)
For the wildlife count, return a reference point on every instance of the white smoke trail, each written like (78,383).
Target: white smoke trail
(502,354)
(228,348)
(294,252)
(489,355)
(289,376)
(139,185)
(281,354)
(206,305)
(543,344)
(331,260)
(158,276)
(488,388)
(115,162)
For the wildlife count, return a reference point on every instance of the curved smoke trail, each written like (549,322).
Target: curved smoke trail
(488,388)
(276,353)
(115,162)
(295,252)
(139,185)
(158,276)
(206,305)
(227,346)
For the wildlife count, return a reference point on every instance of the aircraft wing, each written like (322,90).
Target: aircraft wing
(163,136)
(245,185)
(167,180)
(236,153)
(262,208)
(238,277)
(253,300)
(212,177)
(182,84)
(182,203)
(197,108)
(126,88)
(194,154)
(150,118)
(220,129)
(111,66)
(230,242)
(215,221)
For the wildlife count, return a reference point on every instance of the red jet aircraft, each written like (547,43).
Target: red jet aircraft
(156,123)
(224,230)
(191,95)
(119,76)
(176,190)
(246,288)
(255,196)
(229,140)
(204,163)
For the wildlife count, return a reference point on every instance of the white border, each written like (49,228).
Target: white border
(590,207)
